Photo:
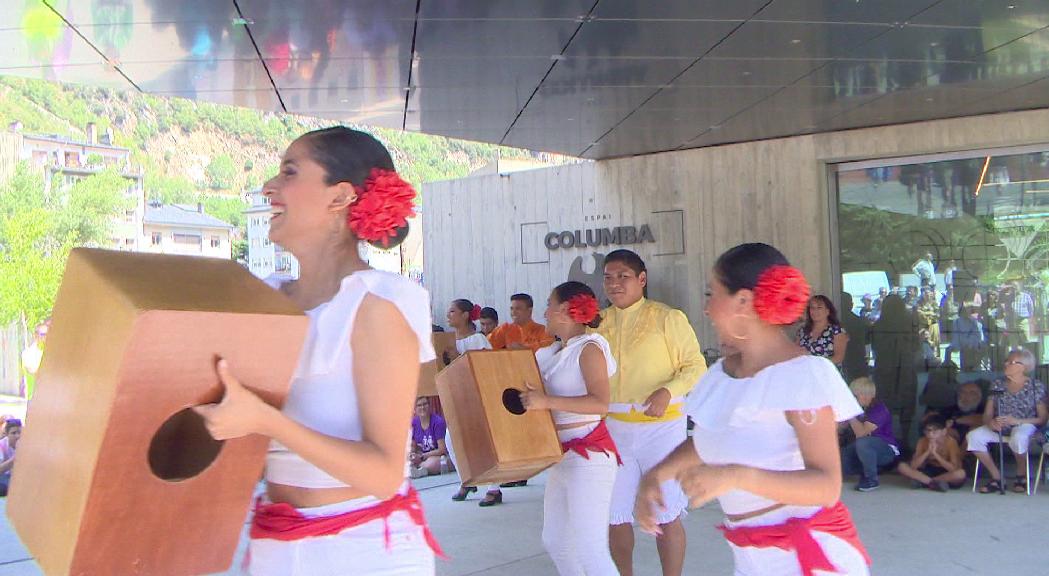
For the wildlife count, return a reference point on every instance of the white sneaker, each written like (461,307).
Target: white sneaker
(419,473)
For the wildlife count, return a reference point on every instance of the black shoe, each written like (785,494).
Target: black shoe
(491,499)
(463,492)
(867,485)
(516,484)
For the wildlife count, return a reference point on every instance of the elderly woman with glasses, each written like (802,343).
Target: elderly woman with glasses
(1016,409)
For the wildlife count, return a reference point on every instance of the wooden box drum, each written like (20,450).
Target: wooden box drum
(115,474)
(495,438)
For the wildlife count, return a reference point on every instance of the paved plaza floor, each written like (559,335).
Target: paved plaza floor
(906,531)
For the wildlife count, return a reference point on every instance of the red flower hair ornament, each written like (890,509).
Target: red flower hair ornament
(781,295)
(475,313)
(582,308)
(383,205)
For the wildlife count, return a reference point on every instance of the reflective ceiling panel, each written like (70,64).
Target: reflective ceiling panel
(597,78)
(994,17)
(678,9)
(859,11)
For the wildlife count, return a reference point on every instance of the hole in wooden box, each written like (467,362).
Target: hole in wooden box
(512,401)
(182,447)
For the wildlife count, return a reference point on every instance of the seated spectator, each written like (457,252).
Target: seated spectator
(875,445)
(965,414)
(3,422)
(12,433)
(937,461)
(427,441)
(1016,413)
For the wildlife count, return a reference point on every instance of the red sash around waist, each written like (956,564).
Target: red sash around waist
(598,440)
(796,534)
(283,522)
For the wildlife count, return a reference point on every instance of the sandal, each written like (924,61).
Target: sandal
(1020,485)
(491,499)
(463,492)
(991,487)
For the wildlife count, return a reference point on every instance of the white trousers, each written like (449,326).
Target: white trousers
(361,550)
(642,446)
(575,511)
(1019,438)
(776,562)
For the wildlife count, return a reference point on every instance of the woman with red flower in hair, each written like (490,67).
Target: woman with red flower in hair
(575,372)
(336,493)
(462,317)
(765,440)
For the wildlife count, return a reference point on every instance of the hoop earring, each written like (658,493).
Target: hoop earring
(743,337)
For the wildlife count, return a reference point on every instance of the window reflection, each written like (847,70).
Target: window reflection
(945,268)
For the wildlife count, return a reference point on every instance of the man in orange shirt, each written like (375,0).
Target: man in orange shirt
(521,333)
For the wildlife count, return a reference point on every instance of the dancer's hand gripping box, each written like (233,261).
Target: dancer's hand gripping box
(495,439)
(115,475)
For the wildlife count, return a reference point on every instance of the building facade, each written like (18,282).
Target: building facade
(972,191)
(186,230)
(264,257)
(65,161)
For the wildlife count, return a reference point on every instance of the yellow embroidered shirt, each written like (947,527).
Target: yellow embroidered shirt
(655,347)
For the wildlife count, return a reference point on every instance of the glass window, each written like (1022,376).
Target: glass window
(944,269)
(192,239)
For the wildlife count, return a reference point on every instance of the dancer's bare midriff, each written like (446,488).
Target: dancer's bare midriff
(300,497)
(751,515)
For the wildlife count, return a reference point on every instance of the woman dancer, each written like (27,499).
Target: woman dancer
(462,315)
(579,489)
(336,493)
(765,443)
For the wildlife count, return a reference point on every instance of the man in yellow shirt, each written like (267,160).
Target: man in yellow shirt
(659,362)
(519,334)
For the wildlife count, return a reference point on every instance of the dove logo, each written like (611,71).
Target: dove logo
(590,270)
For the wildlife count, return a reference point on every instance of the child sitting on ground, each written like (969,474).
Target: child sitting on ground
(937,461)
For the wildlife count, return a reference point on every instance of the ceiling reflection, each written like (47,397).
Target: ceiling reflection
(594,78)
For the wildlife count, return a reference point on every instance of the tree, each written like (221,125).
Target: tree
(37,231)
(240,250)
(170,189)
(258,176)
(87,210)
(32,252)
(226,208)
(31,264)
(221,172)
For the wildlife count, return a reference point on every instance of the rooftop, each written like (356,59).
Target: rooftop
(182,215)
(66,140)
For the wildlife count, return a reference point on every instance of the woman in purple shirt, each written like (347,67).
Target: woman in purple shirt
(875,445)
(427,440)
